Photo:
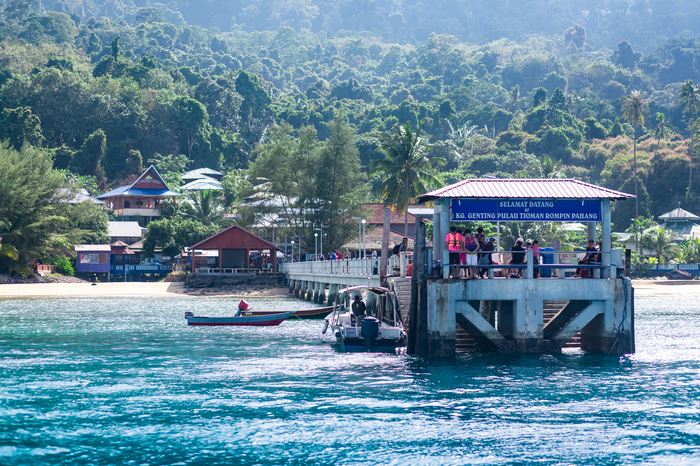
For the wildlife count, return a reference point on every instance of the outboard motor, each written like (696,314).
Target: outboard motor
(242,306)
(189,314)
(370,331)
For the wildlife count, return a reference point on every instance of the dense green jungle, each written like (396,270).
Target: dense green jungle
(297,98)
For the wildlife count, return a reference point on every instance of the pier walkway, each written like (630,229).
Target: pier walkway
(309,280)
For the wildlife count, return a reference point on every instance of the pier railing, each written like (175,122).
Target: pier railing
(353,267)
(119,269)
(611,261)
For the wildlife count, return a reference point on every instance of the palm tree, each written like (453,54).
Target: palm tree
(634,108)
(550,168)
(462,132)
(690,251)
(690,99)
(662,130)
(660,240)
(206,206)
(405,170)
(637,227)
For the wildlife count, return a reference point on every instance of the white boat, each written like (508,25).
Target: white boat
(378,329)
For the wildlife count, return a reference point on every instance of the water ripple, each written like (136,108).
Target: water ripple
(89,381)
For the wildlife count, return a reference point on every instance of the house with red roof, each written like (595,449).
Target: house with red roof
(374,213)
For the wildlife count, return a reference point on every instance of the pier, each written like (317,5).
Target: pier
(309,280)
(502,314)
(507,315)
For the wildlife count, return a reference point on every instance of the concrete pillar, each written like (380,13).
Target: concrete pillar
(612,332)
(332,294)
(441,320)
(530,268)
(438,235)
(527,321)
(607,237)
(590,230)
(316,288)
(322,293)
(292,284)
(402,264)
(444,206)
(297,288)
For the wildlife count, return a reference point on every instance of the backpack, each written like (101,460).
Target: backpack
(396,249)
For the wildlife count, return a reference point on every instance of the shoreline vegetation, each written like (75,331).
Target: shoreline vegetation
(150,289)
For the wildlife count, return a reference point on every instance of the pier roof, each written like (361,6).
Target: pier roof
(517,188)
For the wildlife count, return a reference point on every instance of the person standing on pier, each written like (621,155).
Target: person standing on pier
(462,256)
(480,237)
(518,258)
(452,243)
(486,258)
(470,246)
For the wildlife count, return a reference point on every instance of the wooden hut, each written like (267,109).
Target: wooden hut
(234,246)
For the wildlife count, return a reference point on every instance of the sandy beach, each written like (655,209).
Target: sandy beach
(641,287)
(112,289)
(665,287)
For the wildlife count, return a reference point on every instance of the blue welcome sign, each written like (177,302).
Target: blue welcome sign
(526,210)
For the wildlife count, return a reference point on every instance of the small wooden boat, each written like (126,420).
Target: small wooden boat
(269,320)
(315,313)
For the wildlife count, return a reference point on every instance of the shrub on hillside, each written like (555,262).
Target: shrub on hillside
(63,266)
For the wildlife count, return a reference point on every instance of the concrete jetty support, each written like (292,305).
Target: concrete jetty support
(506,316)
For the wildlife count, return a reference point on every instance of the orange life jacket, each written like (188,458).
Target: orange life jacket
(453,242)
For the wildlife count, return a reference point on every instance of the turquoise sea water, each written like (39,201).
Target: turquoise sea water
(87,381)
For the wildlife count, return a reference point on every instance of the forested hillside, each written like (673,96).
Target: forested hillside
(505,88)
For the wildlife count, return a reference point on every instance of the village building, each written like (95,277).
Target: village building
(232,250)
(126,232)
(141,200)
(202,173)
(202,179)
(77,197)
(684,224)
(374,213)
(114,262)
(93,258)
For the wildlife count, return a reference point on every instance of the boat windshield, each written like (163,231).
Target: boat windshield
(382,306)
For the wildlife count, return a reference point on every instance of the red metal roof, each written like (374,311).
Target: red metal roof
(234,237)
(374,213)
(518,188)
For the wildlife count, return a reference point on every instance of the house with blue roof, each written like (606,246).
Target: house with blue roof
(141,200)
